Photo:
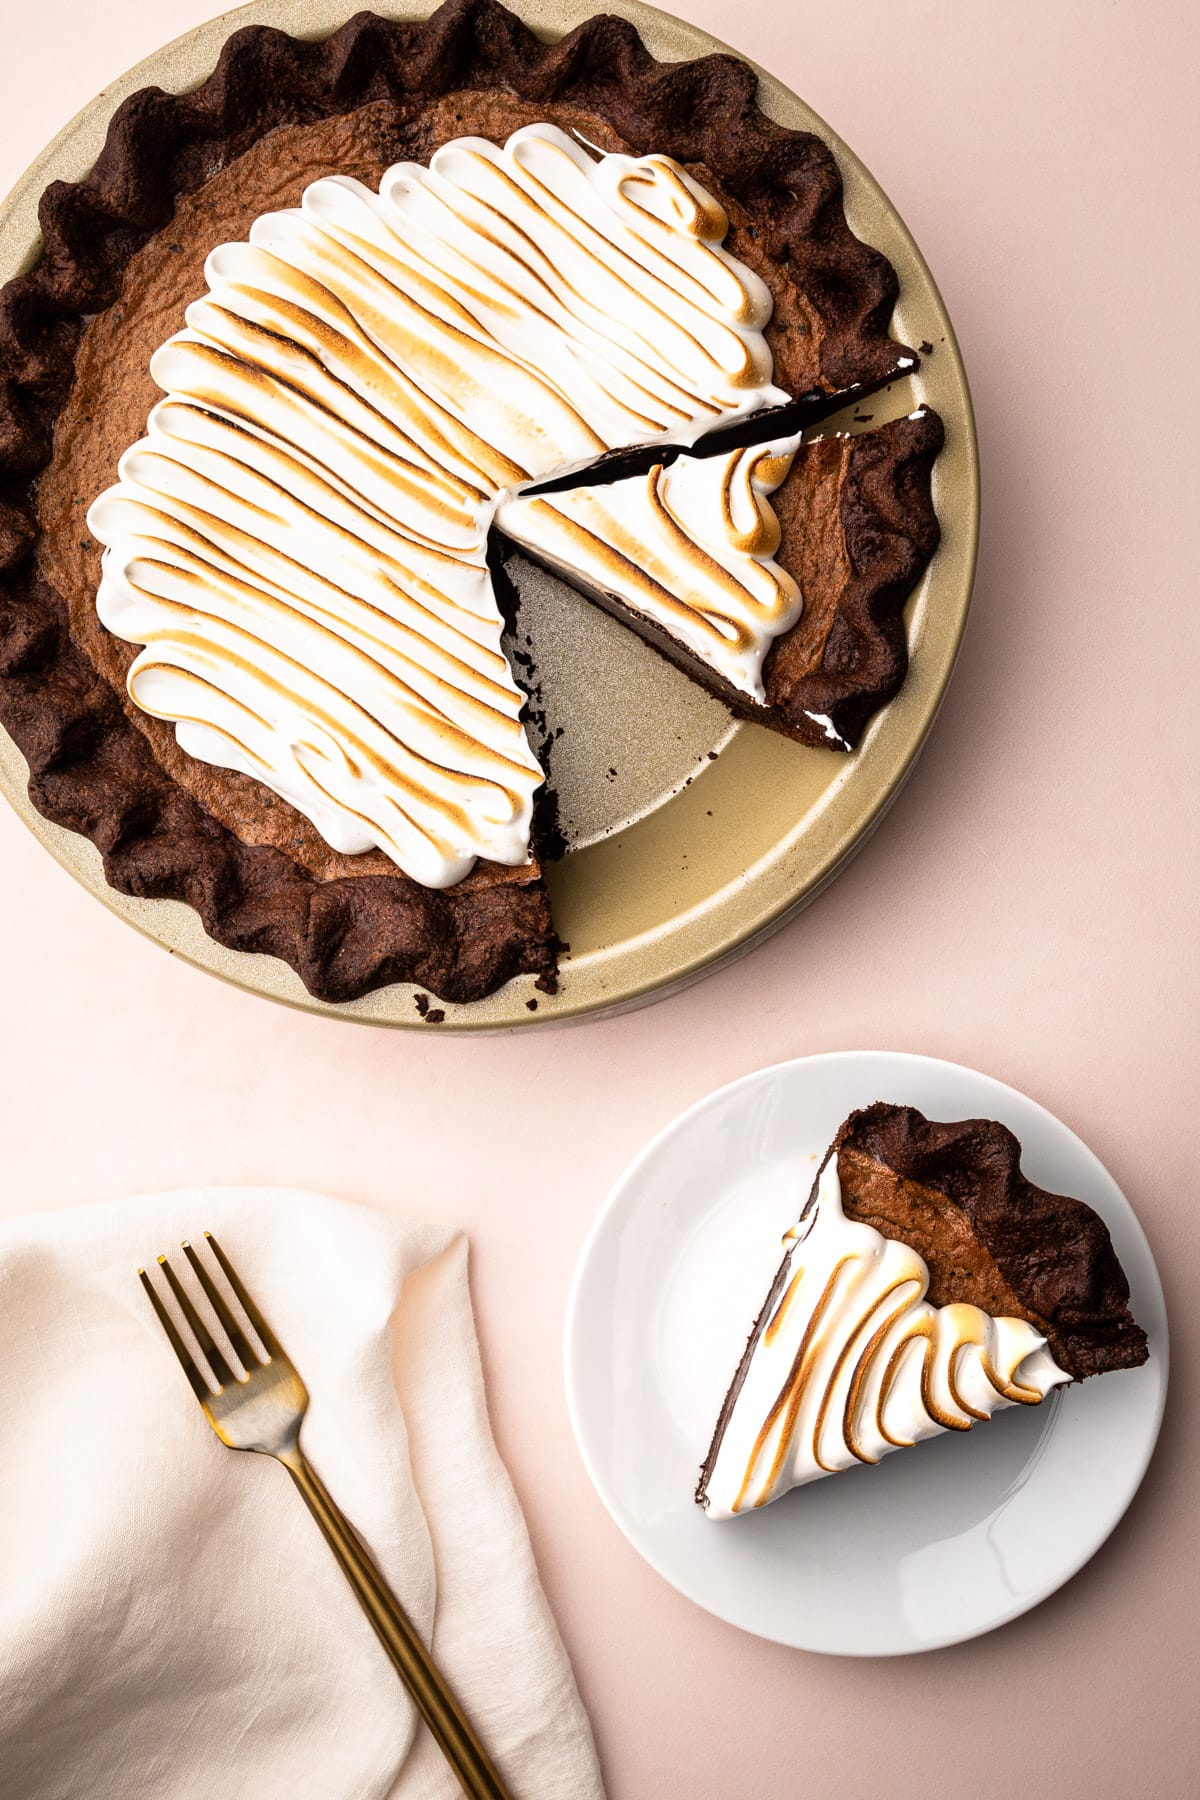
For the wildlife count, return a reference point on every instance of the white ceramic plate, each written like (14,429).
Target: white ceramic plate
(932,1546)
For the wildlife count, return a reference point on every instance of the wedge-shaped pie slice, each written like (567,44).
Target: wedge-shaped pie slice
(685,553)
(774,575)
(926,1285)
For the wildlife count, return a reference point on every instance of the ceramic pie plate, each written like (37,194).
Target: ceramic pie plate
(679,861)
(936,1544)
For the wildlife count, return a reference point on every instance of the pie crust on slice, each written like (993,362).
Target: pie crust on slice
(123,254)
(927,1284)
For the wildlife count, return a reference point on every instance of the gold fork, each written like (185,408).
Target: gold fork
(263,1409)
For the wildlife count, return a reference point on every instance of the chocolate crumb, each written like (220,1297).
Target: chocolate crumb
(434,1016)
(421,1002)
(925,348)
(712,756)
(531,1005)
(863,418)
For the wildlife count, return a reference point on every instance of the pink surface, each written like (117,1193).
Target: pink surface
(1028,907)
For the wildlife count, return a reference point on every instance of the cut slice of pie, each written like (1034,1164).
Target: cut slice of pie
(926,1286)
(686,553)
(775,575)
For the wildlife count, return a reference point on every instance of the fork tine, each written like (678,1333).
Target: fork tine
(222,1372)
(270,1342)
(220,1306)
(198,1384)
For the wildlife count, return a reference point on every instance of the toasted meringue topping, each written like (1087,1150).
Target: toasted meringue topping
(690,547)
(602,285)
(299,540)
(292,632)
(854,1362)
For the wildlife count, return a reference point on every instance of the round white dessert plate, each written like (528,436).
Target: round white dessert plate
(935,1544)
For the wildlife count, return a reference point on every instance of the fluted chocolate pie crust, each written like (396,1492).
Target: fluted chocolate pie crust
(956,1193)
(376,91)
(858,529)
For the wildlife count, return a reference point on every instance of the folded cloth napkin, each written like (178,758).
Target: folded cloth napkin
(172,1623)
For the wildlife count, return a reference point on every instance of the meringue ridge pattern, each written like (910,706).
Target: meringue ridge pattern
(299,541)
(690,546)
(851,1361)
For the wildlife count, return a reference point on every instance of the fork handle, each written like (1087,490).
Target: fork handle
(416,1668)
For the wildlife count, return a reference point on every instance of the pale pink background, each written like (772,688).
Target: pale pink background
(1028,907)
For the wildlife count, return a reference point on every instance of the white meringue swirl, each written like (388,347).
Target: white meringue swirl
(292,632)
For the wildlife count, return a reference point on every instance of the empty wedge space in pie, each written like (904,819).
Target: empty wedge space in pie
(302,402)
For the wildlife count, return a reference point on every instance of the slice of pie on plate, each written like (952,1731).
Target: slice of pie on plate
(290,345)
(926,1286)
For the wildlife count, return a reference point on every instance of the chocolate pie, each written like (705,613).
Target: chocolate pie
(927,1285)
(303,343)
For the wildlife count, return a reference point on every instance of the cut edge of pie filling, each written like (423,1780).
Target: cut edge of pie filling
(372,382)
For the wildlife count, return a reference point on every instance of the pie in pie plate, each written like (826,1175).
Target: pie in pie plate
(376,310)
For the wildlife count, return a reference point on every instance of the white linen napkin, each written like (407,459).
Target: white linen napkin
(172,1623)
